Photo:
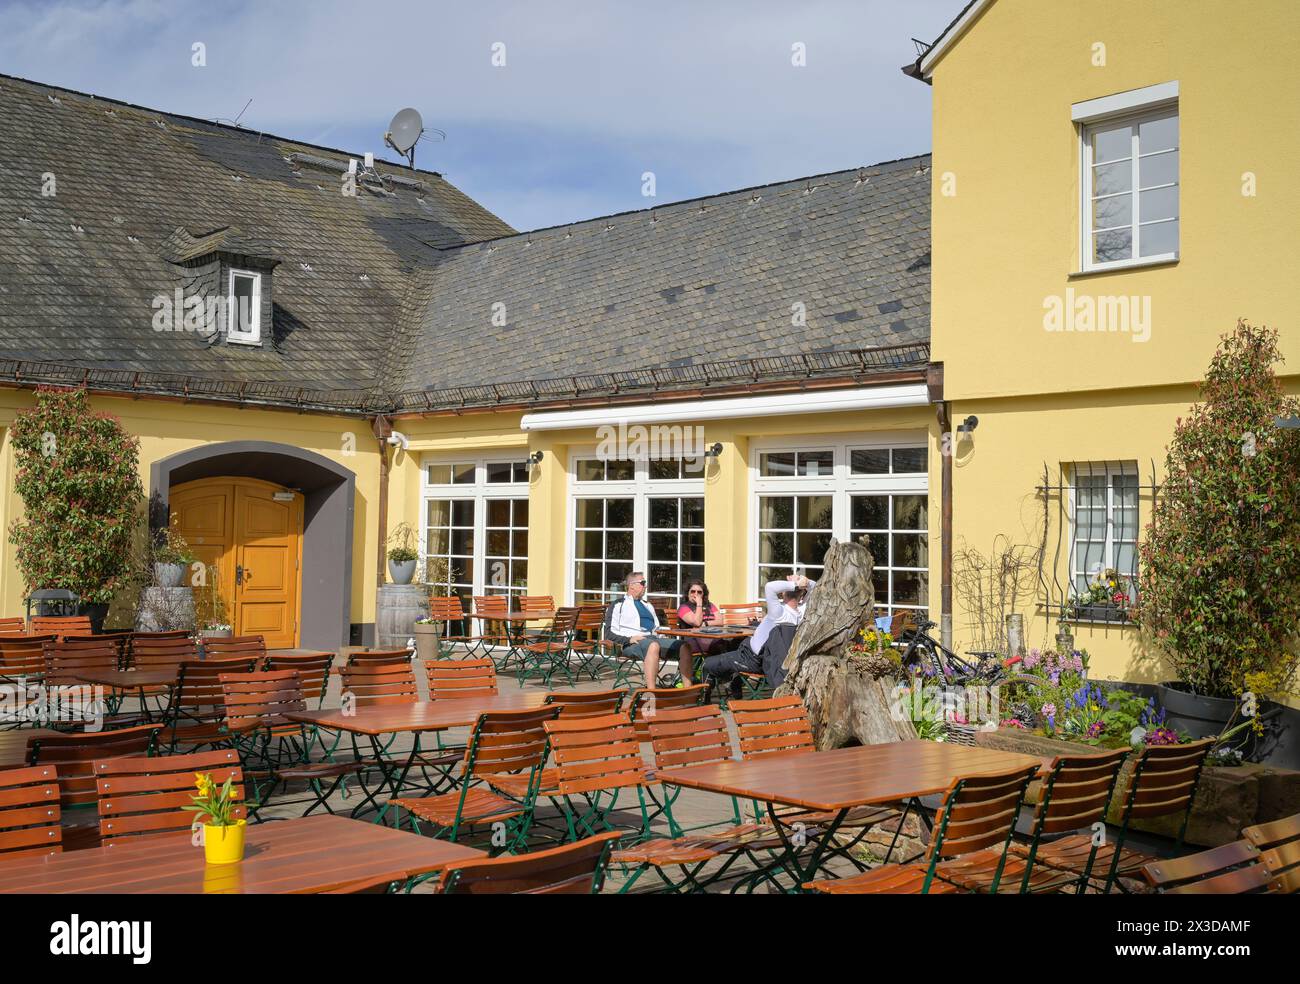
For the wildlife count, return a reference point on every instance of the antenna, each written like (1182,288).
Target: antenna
(404,132)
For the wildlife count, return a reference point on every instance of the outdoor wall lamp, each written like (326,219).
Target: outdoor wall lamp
(535,458)
(714,451)
(968,425)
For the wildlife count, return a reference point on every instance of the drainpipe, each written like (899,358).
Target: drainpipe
(943,412)
(382,429)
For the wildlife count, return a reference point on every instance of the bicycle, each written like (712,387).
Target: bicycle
(927,656)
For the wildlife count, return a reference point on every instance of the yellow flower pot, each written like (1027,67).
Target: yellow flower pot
(224,845)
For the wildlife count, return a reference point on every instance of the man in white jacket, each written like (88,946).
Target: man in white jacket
(786,603)
(633,624)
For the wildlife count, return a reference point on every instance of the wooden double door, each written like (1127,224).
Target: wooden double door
(250,531)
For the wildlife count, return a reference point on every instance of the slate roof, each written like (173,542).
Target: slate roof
(385,301)
(79,268)
(710,279)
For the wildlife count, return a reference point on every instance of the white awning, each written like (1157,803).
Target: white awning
(812,401)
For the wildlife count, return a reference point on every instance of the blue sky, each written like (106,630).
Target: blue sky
(591,95)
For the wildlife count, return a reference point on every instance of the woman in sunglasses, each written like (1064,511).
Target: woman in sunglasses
(696,612)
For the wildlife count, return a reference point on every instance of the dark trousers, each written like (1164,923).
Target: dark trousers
(744,660)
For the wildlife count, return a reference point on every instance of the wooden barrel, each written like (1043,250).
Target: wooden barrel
(399,605)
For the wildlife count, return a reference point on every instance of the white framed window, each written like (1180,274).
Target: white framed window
(244,307)
(1129,150)
(877,488)
(1104,523)
(635,515)
(474,525)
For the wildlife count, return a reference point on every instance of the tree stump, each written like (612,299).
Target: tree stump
(848,697)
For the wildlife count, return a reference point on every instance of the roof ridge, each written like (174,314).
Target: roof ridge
(881,166)
(230,127)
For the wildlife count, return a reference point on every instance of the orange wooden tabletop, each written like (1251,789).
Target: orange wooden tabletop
(731,632)
(434,715)
(845,777)
(13,745)
(131,679)
(301,855)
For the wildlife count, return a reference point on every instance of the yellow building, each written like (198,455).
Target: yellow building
(1114,185)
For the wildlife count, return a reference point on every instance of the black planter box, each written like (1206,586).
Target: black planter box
(1100,613)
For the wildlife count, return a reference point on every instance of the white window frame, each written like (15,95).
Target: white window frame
(1110,470)
(1131,108)
(841,485)
(254,336)
(641,489)
(481,491)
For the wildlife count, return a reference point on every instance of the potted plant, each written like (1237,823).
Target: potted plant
(1106,599)
(402,556)
(77,472)
(219,817)
(171,558)
(211,614)
(1220,569)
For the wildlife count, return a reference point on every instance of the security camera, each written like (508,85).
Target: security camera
(397,438)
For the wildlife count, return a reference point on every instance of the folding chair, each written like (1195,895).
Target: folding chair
(255,705)
(1230,869)
(1279,845)
(549,650)
(445,611)
(376,657)
(1074,796)
(29,812)
(587,703)
(12,625)
(452,679)
(66,661)
(146,797)
(503,743)
(978,816)
(61,625)
(494,631)
(595,757)
(1163,784)
(589,646)
(223,647)
(196,713)
(74,756)
(572,869)
(22,666)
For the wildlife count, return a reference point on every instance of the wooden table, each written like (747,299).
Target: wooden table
(309,854)
(13,745)
(838,780)
(373,721)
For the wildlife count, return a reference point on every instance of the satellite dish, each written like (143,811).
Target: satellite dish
(403,133)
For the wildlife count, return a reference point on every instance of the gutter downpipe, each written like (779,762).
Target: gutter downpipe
(943,413)
(382,429)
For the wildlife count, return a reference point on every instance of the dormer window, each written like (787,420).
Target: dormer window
(244,307)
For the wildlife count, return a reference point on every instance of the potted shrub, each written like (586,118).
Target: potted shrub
(77,472)
(219,816)
(1220,571)
(171,558)
(402,556)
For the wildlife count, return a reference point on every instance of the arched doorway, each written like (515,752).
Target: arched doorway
(326,494)
(249,532)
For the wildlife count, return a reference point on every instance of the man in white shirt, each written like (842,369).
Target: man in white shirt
(633,623)
(786,603)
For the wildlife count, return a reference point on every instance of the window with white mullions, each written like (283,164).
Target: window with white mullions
(794,533)
(894,527)
(474,526)
(1104,506)
(636,515)
(1131,168)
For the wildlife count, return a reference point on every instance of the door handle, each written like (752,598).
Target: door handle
(239,574)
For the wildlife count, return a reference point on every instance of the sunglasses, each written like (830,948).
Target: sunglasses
(642,583)
(695,591)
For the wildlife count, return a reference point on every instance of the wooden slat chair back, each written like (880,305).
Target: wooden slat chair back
(595,754)
(1074,795)
(197,710)
(646,702)
(155,653)
(775,726)
(66,659)
(536,603)
(593,654)
(489,610)
(742,614)
(61,624)
(686,736)
(586,703)
(572,869)
(509,742)
(448,609)
(14,624)
(74,755)
(453,678)
(380,657)
(1163,783)
(220,647)
(1230,869)
(671,619)
(376,684)
(24,656)
(313,671)
(143,797)
(1278,844)
(261,699)
(119,640)
(29,812)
